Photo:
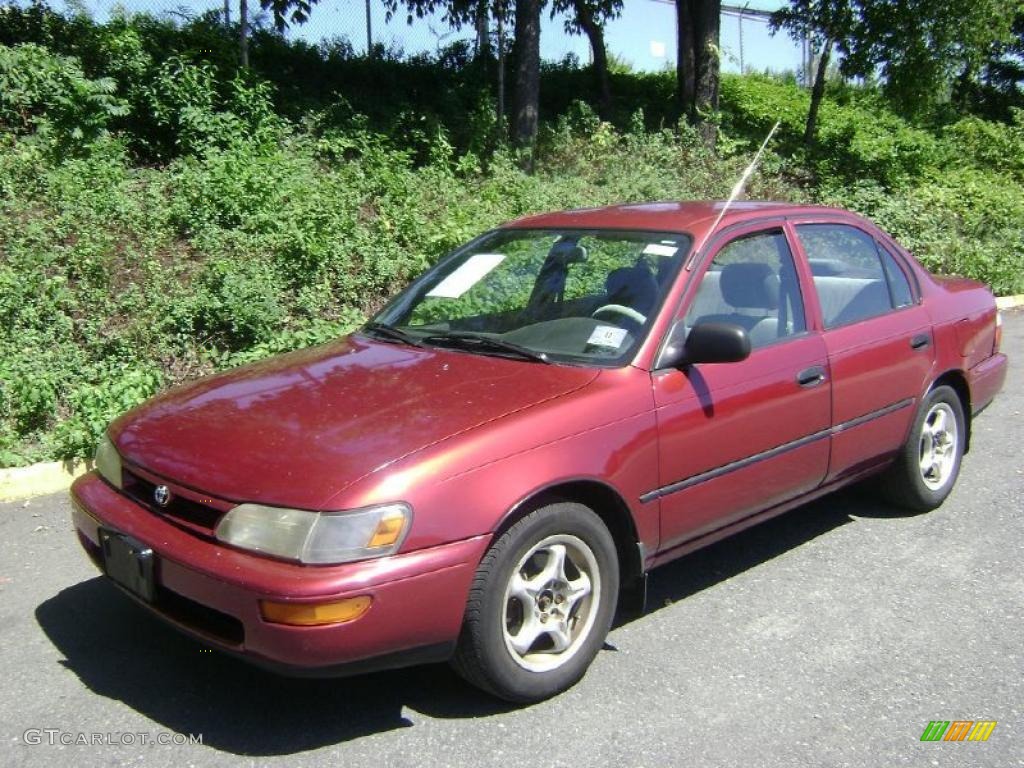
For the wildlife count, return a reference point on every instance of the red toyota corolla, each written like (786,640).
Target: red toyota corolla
(485,471)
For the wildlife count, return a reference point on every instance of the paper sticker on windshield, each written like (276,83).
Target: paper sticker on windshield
(607,336)
(656,249)
(465,277)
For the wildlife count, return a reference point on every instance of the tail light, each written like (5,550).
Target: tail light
(999,332)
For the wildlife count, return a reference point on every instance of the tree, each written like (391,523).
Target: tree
(999,87)
(824,23)
(698,63)
(922,46)
(283,11)
(526,91)
(286,12)
(919,47)
(589,17)
(525,51)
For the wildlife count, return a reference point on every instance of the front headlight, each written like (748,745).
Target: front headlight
(108,462)
(316,537)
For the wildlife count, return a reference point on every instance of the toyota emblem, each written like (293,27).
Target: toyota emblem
(162,495)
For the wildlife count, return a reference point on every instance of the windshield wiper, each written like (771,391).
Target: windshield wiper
(391,332)
(465,340)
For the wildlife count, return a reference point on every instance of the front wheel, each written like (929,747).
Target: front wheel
(929,462)
(541,604)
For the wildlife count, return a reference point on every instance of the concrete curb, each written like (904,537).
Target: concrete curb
(39,479)
(1010,302)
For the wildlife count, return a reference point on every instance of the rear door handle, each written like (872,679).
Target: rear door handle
(811,377)
(920,341)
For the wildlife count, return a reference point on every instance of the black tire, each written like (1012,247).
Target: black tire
(904,484)
(485,658)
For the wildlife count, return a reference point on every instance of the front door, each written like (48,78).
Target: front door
(736,438)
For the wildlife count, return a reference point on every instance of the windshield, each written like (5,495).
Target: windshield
(577,296)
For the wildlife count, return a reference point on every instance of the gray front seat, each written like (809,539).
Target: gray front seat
(752,291)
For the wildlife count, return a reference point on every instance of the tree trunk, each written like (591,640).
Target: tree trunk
(483,30)
(963,87)
(243,34)
(686,59)
(707,18)
(526,96)
(817,92)
(595,34)
(698,63)
(500,13)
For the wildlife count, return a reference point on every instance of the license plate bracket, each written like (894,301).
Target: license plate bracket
(128,562)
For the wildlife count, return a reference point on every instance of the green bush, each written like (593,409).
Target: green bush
(858,138)
(105,392)
(120,280)
(988,144)
(195,112)
(968,223)
(49,97)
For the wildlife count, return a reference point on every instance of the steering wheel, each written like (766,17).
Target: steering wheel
(619,309)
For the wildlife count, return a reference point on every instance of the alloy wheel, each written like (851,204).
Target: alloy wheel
(938,446)
(551,601)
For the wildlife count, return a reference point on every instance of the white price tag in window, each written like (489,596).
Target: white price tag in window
(657,249)
(471,272)
(607,336)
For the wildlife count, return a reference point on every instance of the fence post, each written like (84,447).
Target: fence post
(369,32)
(243,35)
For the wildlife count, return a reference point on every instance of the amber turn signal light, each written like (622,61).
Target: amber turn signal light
(315,614)
(388,530)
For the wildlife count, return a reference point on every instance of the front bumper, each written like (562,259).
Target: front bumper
(212,591)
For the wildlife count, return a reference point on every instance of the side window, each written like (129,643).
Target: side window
(752,282)
(848,273)
(899,287)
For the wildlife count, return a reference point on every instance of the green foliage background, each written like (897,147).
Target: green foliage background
(162,216)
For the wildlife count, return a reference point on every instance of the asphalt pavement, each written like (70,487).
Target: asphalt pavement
(829,636)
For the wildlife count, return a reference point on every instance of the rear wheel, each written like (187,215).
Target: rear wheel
(929,462)
(541,604)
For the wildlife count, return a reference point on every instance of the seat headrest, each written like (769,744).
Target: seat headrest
(750,286)
(632,287)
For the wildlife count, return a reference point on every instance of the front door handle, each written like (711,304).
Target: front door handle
(920,341)
(811,377)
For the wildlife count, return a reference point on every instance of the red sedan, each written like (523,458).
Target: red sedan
(491,466)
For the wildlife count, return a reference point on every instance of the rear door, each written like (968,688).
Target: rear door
(737,438)
(878,337)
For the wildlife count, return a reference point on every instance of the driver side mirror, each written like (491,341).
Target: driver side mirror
(704,343)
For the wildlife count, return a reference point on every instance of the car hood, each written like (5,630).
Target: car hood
(295,430)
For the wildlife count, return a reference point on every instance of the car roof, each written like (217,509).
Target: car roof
(695,217)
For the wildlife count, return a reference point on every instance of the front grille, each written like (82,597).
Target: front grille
(197,517)
(199,618)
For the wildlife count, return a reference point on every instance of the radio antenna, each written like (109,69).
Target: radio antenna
(738,189)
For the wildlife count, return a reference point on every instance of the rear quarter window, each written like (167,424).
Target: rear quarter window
(899,286)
